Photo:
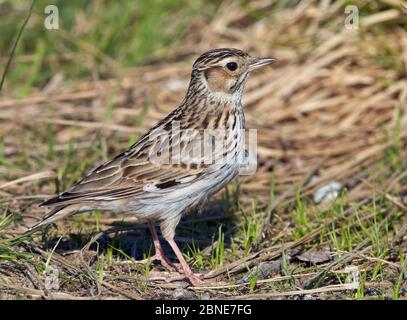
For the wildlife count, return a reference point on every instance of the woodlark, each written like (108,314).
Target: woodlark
(163,176)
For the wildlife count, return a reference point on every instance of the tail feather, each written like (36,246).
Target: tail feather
(57,201)
(53,215)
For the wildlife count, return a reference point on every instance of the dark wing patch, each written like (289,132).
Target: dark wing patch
(167,184)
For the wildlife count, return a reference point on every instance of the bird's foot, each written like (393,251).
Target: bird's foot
(195,280)
(192,278)
(165,262)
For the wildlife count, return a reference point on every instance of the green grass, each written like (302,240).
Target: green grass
(400,278)
(300,216)
(218,251)
(194,253)
(128,32)
(251,230)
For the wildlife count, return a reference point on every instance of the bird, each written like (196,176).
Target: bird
(157,188)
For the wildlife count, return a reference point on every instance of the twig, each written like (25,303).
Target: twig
(263,281)
(31,177)
(124,292)
(366,257)
(88,269)
(332,288)
(41,293)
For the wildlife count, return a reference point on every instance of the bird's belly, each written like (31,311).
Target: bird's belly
(181,199)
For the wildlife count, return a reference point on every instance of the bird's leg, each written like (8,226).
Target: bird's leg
(167,227)
(187,271)
(159,251)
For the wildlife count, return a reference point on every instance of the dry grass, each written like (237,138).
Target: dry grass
(334,108)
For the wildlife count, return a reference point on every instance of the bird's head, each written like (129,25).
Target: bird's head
(225,71)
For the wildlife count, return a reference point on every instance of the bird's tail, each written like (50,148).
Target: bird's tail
(55,214)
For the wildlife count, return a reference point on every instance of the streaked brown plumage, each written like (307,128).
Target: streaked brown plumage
(154,189)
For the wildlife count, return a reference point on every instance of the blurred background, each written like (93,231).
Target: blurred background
(331,117)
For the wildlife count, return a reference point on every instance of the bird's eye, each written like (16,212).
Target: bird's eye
(232,66)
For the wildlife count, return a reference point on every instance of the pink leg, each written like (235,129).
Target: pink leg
(159,252)
(187,271)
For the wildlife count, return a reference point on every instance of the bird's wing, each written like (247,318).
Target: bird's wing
(136,171)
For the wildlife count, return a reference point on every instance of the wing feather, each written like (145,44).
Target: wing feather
(132,173)
(126,176)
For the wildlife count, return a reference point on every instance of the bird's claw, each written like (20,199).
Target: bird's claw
(192,278)
(163,260)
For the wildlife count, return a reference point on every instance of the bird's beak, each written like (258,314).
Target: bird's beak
(256,63)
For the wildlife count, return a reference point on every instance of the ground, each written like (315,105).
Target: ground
(331,114)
